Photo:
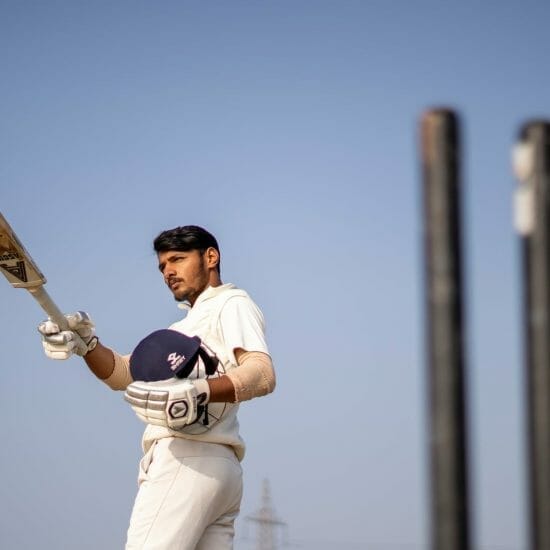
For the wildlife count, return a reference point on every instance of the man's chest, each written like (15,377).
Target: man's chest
(201,322)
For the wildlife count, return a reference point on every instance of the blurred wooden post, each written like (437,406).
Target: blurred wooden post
(440,152)
(532,219)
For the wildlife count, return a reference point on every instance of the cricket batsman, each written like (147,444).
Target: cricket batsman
(185,383)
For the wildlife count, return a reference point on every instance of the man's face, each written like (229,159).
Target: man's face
(185,273)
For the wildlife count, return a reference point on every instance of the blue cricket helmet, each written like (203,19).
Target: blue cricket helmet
(164,354)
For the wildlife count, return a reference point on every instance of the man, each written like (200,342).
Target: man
(190,479)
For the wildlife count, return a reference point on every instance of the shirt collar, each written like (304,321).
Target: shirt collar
(206,294)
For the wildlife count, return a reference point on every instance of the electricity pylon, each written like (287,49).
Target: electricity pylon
(267,522)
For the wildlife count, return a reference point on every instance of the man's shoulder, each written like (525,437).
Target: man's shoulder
(233,301)
(229,291)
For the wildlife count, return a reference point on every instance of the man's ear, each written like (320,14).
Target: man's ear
(212,257)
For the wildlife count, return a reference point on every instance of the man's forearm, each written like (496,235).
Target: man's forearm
(101,361)
(253,377)
(222,390)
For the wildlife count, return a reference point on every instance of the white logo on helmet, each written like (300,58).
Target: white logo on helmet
(175,360)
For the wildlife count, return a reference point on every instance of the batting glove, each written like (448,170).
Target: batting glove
(172,403)
(61,344)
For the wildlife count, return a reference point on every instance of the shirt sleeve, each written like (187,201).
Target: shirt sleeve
(241,325)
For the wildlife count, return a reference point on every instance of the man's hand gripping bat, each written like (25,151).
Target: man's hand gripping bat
(21,271)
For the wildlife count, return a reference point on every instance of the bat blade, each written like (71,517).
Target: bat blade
(16,263)
(22,272)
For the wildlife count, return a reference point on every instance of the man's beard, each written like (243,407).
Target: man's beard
(182,297)
(191,293)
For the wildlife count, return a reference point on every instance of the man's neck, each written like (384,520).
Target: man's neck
(214,282)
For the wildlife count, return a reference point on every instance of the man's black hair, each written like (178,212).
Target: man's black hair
(186,238)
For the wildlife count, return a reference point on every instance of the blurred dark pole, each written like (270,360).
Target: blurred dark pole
(443,293)
(532,167)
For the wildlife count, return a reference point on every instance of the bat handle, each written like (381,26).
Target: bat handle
(54,313)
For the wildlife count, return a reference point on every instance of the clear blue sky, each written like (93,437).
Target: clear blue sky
(289,130)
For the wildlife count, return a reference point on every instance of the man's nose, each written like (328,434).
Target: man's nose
(168,271)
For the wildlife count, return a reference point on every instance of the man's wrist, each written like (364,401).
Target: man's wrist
(91,345)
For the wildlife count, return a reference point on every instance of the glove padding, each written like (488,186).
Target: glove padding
(172,403)
(61,344)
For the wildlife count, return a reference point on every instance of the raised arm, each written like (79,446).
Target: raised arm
(105,364)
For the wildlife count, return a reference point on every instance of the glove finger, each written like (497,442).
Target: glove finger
(141,390)
(68,347)
(85,333)
(157,385)
(48,327)
(146,414)
(65,337)
(140,402)
(78,320)
(137,402)
(59,355)
(159,416)
(56,354)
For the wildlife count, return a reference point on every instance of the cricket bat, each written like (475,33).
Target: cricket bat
(21,271)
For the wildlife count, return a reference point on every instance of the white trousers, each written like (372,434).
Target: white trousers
(189,496)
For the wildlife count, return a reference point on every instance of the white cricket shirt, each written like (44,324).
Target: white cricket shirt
(224,318)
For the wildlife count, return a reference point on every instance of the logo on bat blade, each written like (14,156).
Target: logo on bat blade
(18,270)
(6,245)
(15,262)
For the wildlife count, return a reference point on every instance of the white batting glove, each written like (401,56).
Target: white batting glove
(172,403)
(61,344)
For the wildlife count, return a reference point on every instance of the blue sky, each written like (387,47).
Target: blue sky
(289,129)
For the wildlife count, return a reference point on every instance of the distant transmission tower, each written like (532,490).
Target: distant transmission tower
(267,523)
